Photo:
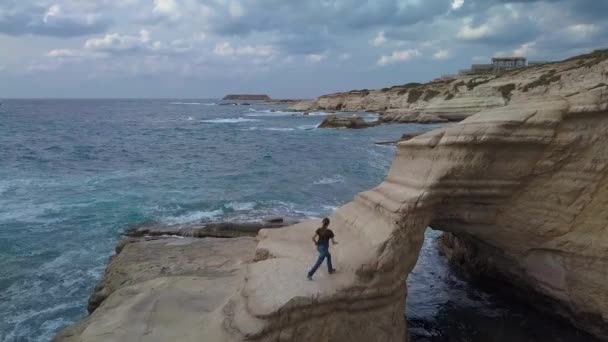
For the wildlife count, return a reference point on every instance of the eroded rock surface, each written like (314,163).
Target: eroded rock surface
(165,289)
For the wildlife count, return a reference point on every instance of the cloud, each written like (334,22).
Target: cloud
(442,55)
(468,32)
(115,44)
(526,49)
(379,40)
(315,58)
(399,56)
(167,8)
(227,50)
(457,4)
(18,18)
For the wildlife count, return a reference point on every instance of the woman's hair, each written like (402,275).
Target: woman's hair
(325,221)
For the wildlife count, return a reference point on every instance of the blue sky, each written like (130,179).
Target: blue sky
(285,48)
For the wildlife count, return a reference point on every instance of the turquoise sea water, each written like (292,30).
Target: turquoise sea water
(74,174)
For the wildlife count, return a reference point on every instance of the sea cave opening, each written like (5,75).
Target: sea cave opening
(445,304)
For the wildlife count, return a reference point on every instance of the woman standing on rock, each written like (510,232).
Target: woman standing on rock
(321,240)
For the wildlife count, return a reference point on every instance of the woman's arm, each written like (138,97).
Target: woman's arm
(333,241)
(314,239)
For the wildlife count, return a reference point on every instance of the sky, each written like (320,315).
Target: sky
(283,48)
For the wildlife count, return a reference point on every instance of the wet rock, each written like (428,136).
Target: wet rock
(352,122)
(404,137)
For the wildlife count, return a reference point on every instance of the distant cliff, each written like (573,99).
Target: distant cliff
(455,99)
(248,97)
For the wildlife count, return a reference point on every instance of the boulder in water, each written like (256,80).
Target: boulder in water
(352,122)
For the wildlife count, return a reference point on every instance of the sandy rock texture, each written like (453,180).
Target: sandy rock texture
(165,289)
(456,99)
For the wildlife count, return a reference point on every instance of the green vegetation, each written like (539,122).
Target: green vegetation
(475,82)
(430,94)
(414,95)
(458,84)
(407,85)
(449,97)
(589,60)
(384,90)
(506,90)
(602,53)
(544,80)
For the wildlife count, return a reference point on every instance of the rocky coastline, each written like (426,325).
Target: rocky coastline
(519,185)
(454,99)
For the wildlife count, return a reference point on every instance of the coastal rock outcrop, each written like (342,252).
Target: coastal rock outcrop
(352,122)
(522,188)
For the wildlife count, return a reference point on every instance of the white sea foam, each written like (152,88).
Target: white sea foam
(192,217)
(269,113)
(330,208)
(229,120)
(240,206)
(190,118)
(283,129)
(330,180)
(186,103)
(308,127)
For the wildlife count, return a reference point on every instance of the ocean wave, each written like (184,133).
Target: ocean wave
(240,206)
(186,103)
(283,129)
(229,120)
(308,127)
(330,208)
(269,113)
(330,180)
(192,217)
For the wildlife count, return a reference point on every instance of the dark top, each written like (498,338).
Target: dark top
(324,236)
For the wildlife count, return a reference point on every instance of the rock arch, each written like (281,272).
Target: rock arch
(528,182)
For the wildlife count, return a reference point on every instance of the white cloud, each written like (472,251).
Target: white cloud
(468,32)
(73,53)
(227,50)
(457,4)
(116,42)
(399,56)
(525,49)
(315,58)
(379,40)
(236,9)
(168,8)
(442,55)
(53,11)
(581,31)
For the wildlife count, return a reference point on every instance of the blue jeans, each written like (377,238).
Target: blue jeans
(323,253)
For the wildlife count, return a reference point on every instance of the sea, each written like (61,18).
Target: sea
(75,174)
